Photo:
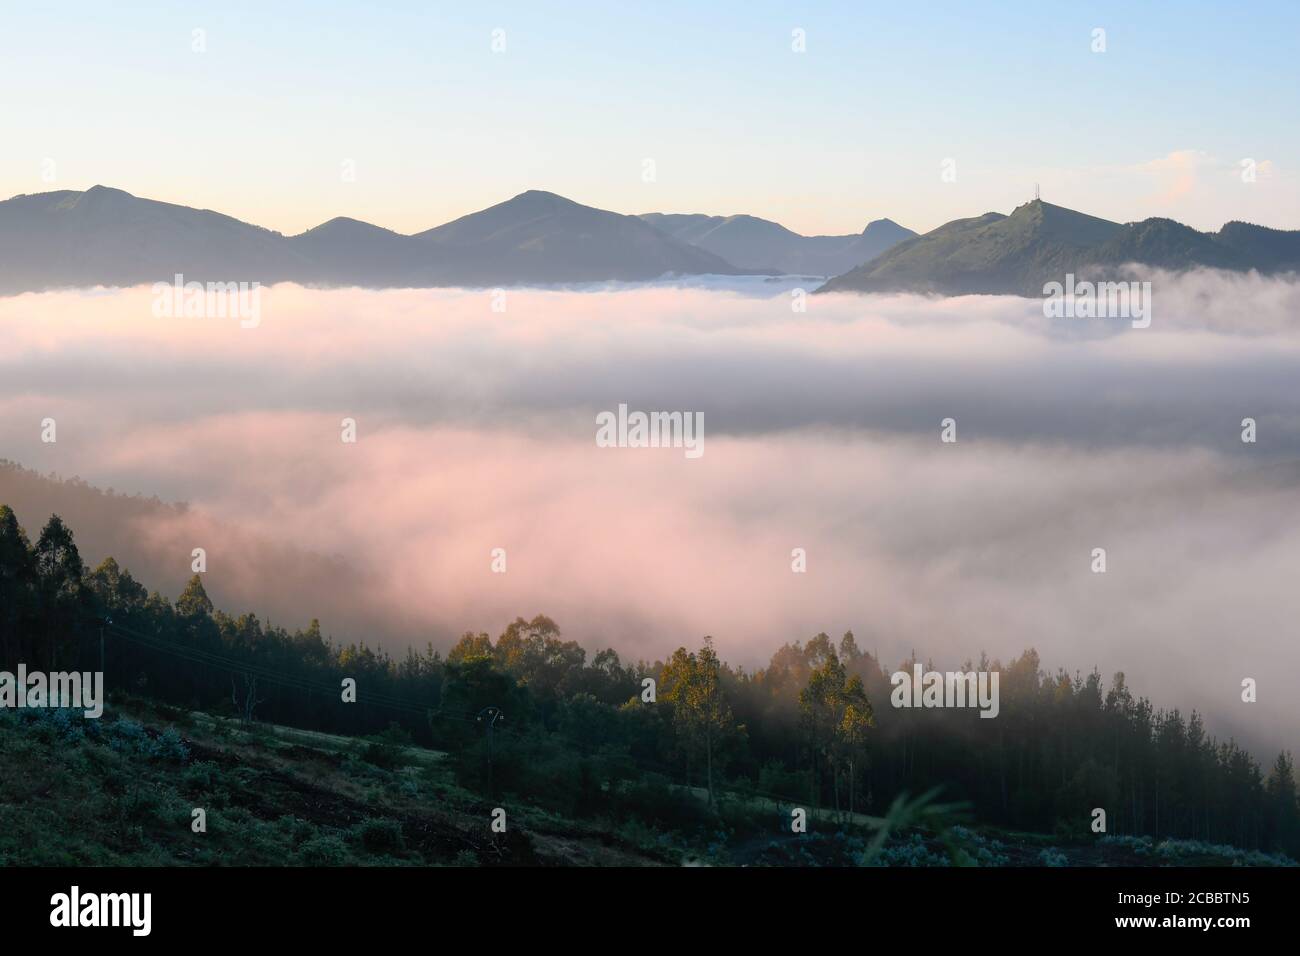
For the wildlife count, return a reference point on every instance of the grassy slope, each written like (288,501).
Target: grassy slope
(273,797)
(121,791)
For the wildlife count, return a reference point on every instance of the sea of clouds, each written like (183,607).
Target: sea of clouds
(476,431)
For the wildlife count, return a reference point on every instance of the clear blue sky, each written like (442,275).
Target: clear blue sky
(853,129)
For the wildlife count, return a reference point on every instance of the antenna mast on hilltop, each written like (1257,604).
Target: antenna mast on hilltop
(1035,192)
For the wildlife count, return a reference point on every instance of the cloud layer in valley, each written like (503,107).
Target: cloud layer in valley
(476,431)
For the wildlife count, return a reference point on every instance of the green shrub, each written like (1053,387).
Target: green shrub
(379,835)
(1052,857)
(297,830)
(654,801)
(387,750)
(141,804)
(198,775)
(324,851)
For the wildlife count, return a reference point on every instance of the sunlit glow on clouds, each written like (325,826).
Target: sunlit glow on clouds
(476,431)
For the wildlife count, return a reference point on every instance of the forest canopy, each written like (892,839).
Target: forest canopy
(813,725)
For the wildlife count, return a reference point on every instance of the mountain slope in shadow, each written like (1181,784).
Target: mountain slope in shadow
(541,237)
(108,237)
(250,568)
(764,246)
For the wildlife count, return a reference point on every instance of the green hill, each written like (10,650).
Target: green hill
(1040,242)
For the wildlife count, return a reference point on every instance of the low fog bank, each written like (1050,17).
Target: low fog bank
(1221,347)
(476,431)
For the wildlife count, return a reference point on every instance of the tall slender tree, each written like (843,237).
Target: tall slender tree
(693,685)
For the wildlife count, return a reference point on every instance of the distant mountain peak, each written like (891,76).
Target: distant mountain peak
(540,200)
(762,246)
(887,229)
(344,221)
(101,190)
(100,195)
(342,226)
(1047,221)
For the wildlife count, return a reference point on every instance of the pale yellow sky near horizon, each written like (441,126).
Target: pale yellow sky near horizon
(821,118)
(1189,186)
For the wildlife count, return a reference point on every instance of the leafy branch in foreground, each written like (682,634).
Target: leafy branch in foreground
(924,812)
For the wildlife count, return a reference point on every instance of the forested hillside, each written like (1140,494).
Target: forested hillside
(579,736)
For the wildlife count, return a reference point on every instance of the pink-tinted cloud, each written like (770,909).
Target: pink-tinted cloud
(476,431)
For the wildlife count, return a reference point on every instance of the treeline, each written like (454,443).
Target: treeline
(814,725)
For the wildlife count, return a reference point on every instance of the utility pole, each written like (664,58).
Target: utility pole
(493,714)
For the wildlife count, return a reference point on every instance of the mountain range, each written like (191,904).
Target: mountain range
(108,237)
(762,246)
(104,236)
(1040,243)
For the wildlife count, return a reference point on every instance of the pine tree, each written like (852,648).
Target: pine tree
(194,601)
